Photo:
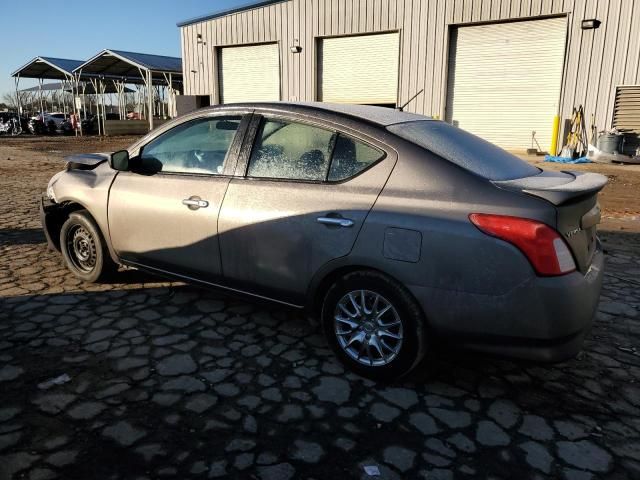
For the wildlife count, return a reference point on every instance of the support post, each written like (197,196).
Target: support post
(94,83)
(40,96)
(18,104)
(150,99)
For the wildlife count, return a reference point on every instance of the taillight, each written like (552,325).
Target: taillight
(542,245)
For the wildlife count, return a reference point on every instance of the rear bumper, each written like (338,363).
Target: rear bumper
(543,319)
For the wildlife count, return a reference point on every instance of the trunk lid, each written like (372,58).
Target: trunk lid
(575,198)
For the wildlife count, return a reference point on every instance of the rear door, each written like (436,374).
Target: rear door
(163,214)
(305,192)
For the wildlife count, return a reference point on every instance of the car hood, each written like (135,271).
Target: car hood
(86,159)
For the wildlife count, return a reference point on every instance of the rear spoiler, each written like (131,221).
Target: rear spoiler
(557,187)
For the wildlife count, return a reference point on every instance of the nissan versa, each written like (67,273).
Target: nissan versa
(394,228)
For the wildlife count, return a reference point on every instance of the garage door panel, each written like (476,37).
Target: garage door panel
(505,80)
(359,69)
(249,73)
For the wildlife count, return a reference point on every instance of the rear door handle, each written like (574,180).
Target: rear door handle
(195,203)
(336,222)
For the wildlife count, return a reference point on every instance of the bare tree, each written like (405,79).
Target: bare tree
(11,102)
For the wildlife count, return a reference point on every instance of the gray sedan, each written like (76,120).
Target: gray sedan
(394,228)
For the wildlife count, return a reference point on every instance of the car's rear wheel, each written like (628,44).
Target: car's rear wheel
(374,325)
(84,249)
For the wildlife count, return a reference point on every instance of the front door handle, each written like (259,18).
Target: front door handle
(336,221)
(195,203)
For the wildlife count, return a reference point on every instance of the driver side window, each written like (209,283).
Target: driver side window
(199,146)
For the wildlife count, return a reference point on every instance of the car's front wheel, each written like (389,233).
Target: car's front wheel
(374,325)
(84,249)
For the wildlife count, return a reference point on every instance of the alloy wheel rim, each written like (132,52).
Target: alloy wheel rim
(368,328)
(81,248)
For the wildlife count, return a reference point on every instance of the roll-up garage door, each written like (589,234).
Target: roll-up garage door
(504,80)
(249,73)
(626,116)
(359,69)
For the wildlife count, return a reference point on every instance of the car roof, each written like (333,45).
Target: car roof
(381,116)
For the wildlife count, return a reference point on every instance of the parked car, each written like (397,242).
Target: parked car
(37,127)
(57,118)
(48,122)
(399,231)
(90,124)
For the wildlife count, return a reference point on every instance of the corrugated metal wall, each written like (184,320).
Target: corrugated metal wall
(596,60)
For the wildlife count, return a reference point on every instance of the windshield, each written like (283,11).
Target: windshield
(464,149)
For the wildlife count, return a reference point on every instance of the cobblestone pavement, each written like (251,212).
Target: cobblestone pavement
(169,381)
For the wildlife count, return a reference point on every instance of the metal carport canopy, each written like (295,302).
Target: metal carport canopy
(134,68)
(130,65)
(49,68)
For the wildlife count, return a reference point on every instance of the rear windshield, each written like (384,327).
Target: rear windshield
(464,149)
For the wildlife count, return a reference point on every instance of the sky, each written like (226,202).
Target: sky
(78,29)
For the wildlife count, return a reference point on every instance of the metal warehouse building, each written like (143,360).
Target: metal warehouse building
(501,69)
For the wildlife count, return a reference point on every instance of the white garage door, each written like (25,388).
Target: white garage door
(505,79)
(250,73)
(359,69)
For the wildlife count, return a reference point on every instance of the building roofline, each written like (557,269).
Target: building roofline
(222,13)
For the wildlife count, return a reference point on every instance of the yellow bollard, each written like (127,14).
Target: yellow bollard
(554,135)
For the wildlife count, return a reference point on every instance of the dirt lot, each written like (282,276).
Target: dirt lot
(170,381)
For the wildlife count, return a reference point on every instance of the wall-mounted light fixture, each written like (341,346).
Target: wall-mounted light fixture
(296,48)
(590,24)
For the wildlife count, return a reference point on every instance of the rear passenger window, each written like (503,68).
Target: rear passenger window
(291,150)
(350,157)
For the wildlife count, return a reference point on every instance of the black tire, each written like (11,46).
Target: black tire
(412,328)
(84,250)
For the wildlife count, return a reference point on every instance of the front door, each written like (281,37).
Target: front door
(164,213)
(306,194)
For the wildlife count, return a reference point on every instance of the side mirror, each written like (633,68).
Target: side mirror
(119,160)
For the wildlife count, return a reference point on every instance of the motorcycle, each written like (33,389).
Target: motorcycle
(37,127)
(11,126)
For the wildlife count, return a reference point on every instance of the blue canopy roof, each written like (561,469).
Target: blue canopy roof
(48,67)
(119,63)
(153,62)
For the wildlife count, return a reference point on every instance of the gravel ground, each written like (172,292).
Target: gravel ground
(169,381)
